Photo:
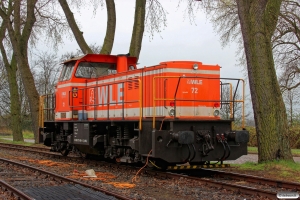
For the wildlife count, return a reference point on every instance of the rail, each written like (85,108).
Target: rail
(107,103)
(46,108)
(231,101)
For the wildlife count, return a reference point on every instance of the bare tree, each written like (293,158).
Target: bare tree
(292,100)
(149,14)
(47,68)
(257,21)
(111,27)
(25,22)
(11,71)
(138,28)
(286,45)
(156,17)
(230,108)
(110,31)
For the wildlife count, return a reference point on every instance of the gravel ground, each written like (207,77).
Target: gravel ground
(117,180)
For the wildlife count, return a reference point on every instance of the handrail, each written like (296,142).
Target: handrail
(175,99)
(44,106)
(139,100)
(41,111)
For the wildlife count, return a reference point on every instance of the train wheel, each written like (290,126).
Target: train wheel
(64,152)
(64,148)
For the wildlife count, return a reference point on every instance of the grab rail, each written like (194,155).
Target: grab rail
(231,101)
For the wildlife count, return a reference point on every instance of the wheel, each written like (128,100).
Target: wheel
(64,148)
(64,152)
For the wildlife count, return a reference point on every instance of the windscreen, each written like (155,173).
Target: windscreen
(94,69)
(67,71)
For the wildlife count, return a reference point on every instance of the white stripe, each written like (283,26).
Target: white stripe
(181,111)
(71,85)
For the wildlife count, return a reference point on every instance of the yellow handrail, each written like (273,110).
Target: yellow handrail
(170,99)
(154,99)
(41,111)
(140,101)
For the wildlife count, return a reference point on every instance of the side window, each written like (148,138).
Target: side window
(67,71)
(94,70)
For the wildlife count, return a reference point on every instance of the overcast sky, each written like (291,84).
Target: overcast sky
(180,40)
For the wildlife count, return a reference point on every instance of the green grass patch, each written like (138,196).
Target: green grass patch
(281,164)
(16,142)
(286,170)
(295,152)
(252,150)
(28,135)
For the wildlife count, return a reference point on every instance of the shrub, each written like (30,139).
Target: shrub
(294,136)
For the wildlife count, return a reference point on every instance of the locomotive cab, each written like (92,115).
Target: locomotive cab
(105,106)
(75,77)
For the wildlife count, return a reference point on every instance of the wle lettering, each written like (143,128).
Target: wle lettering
(107,95)
(196,82)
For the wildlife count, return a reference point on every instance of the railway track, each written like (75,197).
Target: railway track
(240,183)
(34,149)
(20,177)
(38,150)
(255,179)
(218,184)
(11,192)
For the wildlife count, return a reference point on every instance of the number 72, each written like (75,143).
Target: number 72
(194,90)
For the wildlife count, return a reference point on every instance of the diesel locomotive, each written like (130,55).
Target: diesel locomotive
(103,105)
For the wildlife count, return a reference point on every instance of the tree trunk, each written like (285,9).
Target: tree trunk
(110,29)
(15,105)
(138,28)
(19,41)
(258,20)
(31,92)
(72,23)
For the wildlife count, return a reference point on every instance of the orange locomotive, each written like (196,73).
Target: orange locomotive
(103,105)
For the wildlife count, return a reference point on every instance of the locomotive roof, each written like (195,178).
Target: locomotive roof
(73,59)
(95,56)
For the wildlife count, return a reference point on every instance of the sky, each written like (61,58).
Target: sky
(179,40)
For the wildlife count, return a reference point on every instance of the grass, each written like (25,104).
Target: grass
(295,152)
(285,170)
(16,142)
(7,133)
(28,135)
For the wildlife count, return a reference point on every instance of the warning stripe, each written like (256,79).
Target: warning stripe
(197,166)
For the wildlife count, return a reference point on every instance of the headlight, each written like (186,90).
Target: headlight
(195,66)
(216,113)
(172,112)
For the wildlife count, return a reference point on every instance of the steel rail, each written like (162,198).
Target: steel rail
(218,184)
(15,191)
(255,179)
(66,179)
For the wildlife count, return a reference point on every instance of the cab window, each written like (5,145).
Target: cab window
(67,71)
(94,70)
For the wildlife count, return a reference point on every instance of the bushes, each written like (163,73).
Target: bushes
(252,136)
(294,137)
